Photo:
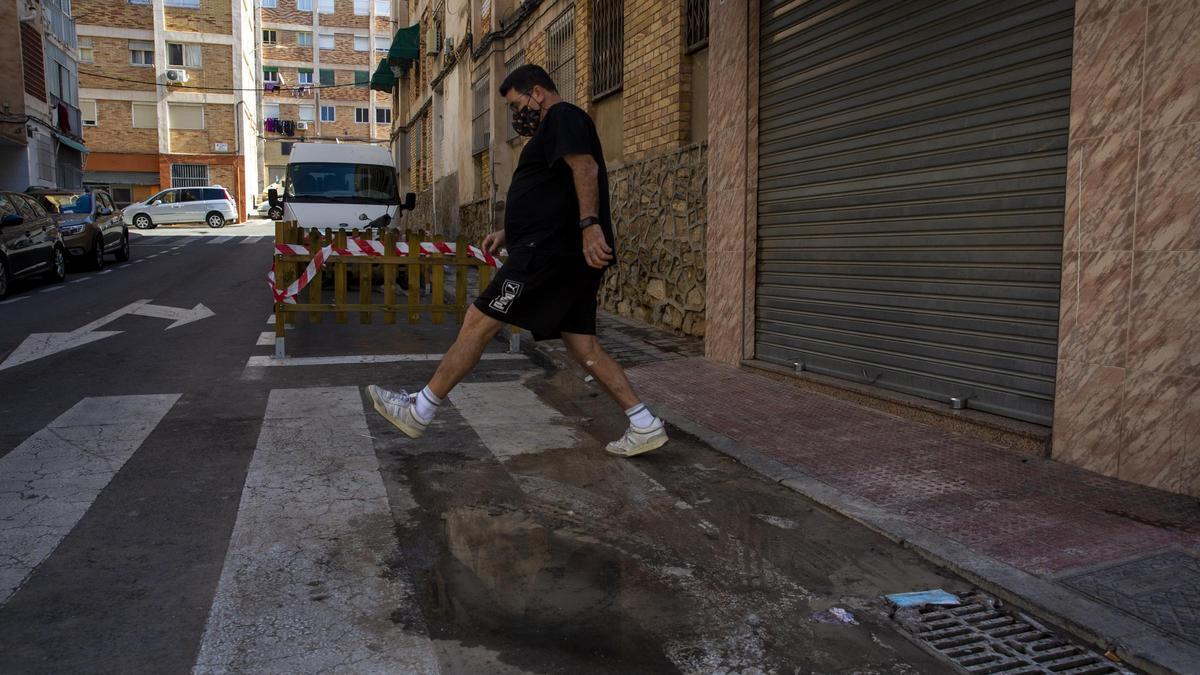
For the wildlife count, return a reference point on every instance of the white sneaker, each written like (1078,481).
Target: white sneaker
(398,408)
(637,441)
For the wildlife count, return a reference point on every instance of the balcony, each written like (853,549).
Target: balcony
(65,117)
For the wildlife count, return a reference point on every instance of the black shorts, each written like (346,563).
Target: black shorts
(544,294)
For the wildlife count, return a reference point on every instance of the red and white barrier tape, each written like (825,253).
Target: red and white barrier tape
(360,248)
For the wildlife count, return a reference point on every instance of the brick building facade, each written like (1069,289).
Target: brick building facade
(322,55)
(168,92)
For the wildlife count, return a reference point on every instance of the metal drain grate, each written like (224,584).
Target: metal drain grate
(980,637)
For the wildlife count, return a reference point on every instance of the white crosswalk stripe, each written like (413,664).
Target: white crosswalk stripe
(488,408)
(48,482)
(251,240)
(314,523)
(218,240)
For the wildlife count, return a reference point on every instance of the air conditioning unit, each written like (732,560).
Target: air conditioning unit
(302,126)
(432,44)
(449,46)
(176,76)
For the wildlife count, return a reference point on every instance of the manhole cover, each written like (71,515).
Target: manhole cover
(979,636)
(1162,589)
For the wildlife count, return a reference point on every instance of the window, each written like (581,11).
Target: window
(325,6)
(328,77)
(328,113)
(139,2)
(608,46)
(271,74)
(480,127)
(87,54)
(560,54)
(509,66)
(304,76)
(323,182)
(306,113)
(271,110)
(186,115)
(382,44)
(141,53)
(304,5)
(362,43)
(183,56)
(362,115)
(144,115)
(186,175)
(304,38)
(88,112)
(383,8)
(326,40)
(362,7)
(695,34)
(270,37)
(182,3)
(268,4)
(383,115)
(362,78)
(122,196)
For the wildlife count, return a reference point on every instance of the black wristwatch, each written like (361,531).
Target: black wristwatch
(585,223)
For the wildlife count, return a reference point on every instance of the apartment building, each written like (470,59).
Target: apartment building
(317,59)
(41,140)
(168,90)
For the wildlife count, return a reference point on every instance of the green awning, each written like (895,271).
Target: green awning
(406,46)
(71,142)
(383,79)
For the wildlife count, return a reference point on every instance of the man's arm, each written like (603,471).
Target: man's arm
(587,188)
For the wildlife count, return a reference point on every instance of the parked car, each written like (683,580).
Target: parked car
(211,205)
(30,244)
(89,222)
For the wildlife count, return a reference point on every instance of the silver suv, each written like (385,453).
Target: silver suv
(211,205)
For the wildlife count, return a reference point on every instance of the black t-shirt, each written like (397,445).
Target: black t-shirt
(542,213)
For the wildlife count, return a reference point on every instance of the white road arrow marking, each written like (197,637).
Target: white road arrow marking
(39,345)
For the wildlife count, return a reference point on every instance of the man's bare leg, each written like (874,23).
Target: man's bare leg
(587,352)
(462,357)
(646,432)
(412,413)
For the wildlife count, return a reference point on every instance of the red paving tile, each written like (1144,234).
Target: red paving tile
(1031,513)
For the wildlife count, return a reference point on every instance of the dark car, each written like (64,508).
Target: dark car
(89,222)
(30,244)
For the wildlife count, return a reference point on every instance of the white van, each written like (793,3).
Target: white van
(340,185)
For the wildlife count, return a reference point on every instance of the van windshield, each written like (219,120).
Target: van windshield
(341,183)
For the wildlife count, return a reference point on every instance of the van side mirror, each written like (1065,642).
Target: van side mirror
(156,202)
(104,211)
(273,197)
(410,202)
(11,220)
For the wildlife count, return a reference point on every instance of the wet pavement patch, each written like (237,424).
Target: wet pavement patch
(568,560)
(1161,589)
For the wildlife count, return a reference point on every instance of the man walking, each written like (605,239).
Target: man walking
(559,236)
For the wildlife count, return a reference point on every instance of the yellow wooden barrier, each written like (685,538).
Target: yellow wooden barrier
(418,271)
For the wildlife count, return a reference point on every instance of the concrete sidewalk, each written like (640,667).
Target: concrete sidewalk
(1113,562)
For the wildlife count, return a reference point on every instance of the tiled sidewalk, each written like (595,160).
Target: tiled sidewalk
(1054,531)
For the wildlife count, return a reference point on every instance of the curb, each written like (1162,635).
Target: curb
(1137,643)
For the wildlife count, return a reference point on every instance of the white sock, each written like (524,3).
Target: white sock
(427,405)
(641,417)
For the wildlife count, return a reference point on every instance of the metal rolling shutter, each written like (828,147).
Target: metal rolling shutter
(912,160)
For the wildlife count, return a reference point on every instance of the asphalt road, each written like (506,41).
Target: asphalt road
(171,501)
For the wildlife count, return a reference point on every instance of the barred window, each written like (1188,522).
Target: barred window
(509,66)
(560,54)
(481,133)
(608,46)
(696,31)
